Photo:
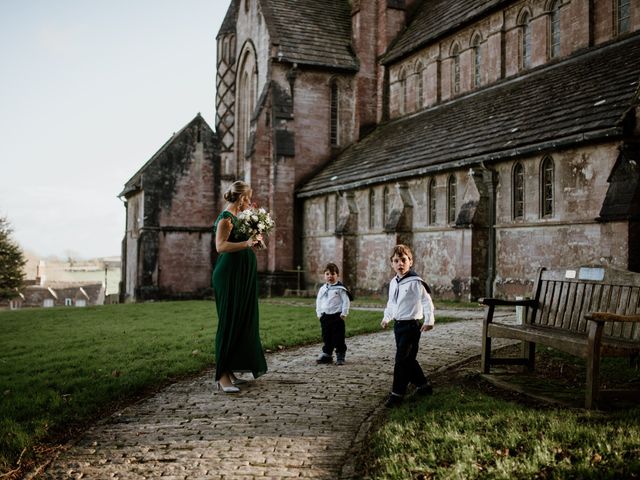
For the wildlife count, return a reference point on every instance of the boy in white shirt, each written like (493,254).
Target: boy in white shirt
(332,307)
(411,308)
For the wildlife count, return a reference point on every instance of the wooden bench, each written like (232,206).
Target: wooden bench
(589,312)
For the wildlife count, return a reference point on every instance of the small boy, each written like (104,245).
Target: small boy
(411,307)
(332,307)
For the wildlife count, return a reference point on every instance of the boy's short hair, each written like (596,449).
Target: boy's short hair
(400,250)
(331,267)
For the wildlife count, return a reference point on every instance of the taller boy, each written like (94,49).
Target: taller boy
(411,307)
(332,307)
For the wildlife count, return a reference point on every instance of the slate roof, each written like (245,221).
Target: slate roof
(433,19)
(585,97)
(312,32)
(229,22)
(133,183)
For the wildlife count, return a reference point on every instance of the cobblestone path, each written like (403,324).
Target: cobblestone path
(299,420)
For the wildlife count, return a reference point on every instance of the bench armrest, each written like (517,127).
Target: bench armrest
(500,302)
(611,317)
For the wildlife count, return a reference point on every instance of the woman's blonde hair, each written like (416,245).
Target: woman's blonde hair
(236,190)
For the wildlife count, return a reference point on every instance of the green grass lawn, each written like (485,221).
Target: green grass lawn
(470,430)
(63,367)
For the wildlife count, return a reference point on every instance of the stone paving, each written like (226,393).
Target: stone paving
(300,420)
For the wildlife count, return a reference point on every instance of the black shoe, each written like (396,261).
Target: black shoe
(324,358)
(340,360)
(425,389)
(393,401)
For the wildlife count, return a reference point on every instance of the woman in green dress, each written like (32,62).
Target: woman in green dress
(235,283)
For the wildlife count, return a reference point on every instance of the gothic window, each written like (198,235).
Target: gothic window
(337,210)
(622,12)
(247,5)
(420,86)
(546,187)
(455,69)
(372,208)
(554,30)
(333,114)
(402,78)
(246,99)
(451,199)
(477,61)
(525,40)
(518,191)
(326,214)
(385,205)
(432,202)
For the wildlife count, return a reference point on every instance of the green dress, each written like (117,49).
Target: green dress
(235,283)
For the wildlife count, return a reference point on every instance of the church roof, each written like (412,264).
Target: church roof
(311,32)
(435,18)
(134,183)
(229,22)
(583,98)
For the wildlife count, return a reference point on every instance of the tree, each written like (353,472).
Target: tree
(11,262)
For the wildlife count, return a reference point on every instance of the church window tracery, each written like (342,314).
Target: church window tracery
(451,199)
(477,61)
(455,69)
(334,113)
(622,12)
(554,30)
(525,40)
(431,192)
(546,186)
(518,191)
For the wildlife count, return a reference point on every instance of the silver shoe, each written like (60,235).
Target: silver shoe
(231,389)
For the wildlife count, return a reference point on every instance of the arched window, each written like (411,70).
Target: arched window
(525,40)
(451,199)
(518,191)
(477,61)
(372,208)
(326,213)
(432,202)
(333,114)
(546,187)
(402,79)
(622,12)
(419,86)
(385,205)
(455,69)
(554,30)
(246,99)
(337,210)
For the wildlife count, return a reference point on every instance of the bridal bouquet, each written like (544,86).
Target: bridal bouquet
(255,221)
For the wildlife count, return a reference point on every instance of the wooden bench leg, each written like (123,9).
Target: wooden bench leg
(486,355)
(485,362)
(529,355)
(593,365)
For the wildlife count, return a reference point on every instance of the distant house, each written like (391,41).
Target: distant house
(171,203)
(63,295)
(13,303)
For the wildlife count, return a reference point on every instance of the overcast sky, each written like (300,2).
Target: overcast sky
(89,91)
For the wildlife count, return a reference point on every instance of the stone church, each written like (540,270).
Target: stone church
(492,136)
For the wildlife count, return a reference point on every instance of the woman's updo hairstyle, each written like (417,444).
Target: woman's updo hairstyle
(236,190)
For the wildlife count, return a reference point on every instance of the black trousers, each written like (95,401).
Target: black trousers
(407,369)
(333,331)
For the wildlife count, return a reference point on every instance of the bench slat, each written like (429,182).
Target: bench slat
(558,316)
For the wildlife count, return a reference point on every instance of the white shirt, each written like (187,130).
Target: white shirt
(332,298)
(409,300)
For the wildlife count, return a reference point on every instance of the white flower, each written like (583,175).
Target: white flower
(261,226)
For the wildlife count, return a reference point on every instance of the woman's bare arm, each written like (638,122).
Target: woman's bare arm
(223,245)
